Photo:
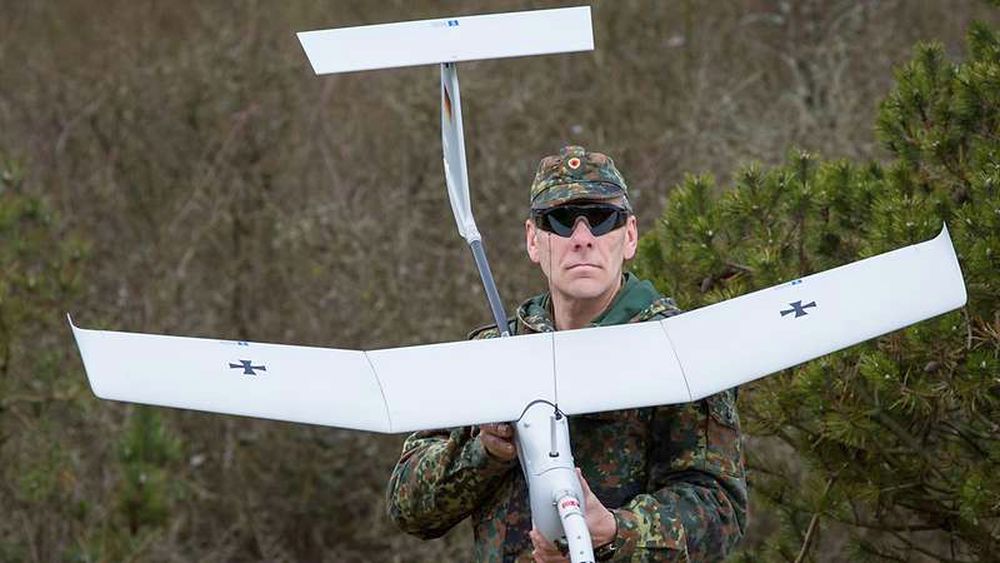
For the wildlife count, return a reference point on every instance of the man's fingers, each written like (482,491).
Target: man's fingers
(498,447)
(545,551)
(497,442)
(541,542)
(500,429)
(497,439)
(601,521)
(540,557)
(583,483)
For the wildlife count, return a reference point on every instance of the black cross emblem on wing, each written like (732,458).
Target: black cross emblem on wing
(798,308)
(247,367)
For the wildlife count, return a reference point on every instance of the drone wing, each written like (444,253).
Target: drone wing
(742,339)
(392,390)
(676,360)
(757,334)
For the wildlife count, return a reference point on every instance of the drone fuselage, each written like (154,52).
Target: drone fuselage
(557,501)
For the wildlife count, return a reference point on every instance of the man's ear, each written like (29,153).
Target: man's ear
(631,237)
(531,240)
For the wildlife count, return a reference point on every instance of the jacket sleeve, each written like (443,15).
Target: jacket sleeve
(443,475)
(440,478)
(696,509)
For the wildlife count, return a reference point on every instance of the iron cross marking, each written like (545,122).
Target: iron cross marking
(247,367)
(798,308)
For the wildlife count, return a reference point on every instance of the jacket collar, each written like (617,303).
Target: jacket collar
(633,302)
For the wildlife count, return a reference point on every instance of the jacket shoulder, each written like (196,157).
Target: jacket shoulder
(490,330)
(661,308)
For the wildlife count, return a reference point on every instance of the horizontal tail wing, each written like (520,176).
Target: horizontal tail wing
(443,40)
(676,360)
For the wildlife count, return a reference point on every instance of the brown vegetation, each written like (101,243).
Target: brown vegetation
(224,190)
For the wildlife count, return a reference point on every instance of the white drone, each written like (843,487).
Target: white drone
(533,378)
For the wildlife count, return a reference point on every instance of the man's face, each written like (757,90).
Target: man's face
(582,266)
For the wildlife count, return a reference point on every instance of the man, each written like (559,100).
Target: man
(663,483)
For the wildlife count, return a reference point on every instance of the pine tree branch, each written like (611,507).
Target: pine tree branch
(885,522)
(814,522)
(887,527)
(6,338)
(991,424)
(967,439)
(968,328)
(904,436)
(872,550)
(910,544)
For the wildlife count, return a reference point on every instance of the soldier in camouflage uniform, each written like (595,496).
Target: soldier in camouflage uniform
(662,484)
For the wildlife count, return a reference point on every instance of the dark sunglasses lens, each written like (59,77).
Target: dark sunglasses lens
(557,222)
(602,219)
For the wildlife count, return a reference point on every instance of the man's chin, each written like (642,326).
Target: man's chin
(586,288)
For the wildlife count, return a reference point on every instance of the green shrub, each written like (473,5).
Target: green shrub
(898,439)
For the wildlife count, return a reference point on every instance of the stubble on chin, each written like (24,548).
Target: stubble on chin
(587,287)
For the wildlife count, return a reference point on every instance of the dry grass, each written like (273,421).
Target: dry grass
(227,191)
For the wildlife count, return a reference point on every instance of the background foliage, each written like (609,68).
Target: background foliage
(899,437)
(176,168)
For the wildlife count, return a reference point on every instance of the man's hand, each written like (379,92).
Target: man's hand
(545,551)
(600,522)
(498,439)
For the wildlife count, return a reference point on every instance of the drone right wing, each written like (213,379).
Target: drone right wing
(680,359)
(742,339)
(748,337)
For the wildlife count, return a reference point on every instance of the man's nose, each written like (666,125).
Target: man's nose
(581,233)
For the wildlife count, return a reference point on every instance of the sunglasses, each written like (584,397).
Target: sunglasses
(602,218)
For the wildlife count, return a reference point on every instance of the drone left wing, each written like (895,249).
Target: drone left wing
(391,390)
(246,378)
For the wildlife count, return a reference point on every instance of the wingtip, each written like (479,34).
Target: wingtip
(945,238)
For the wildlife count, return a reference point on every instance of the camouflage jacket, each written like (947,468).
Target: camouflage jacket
(673,475)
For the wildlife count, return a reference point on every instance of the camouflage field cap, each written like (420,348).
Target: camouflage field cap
(576,173)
